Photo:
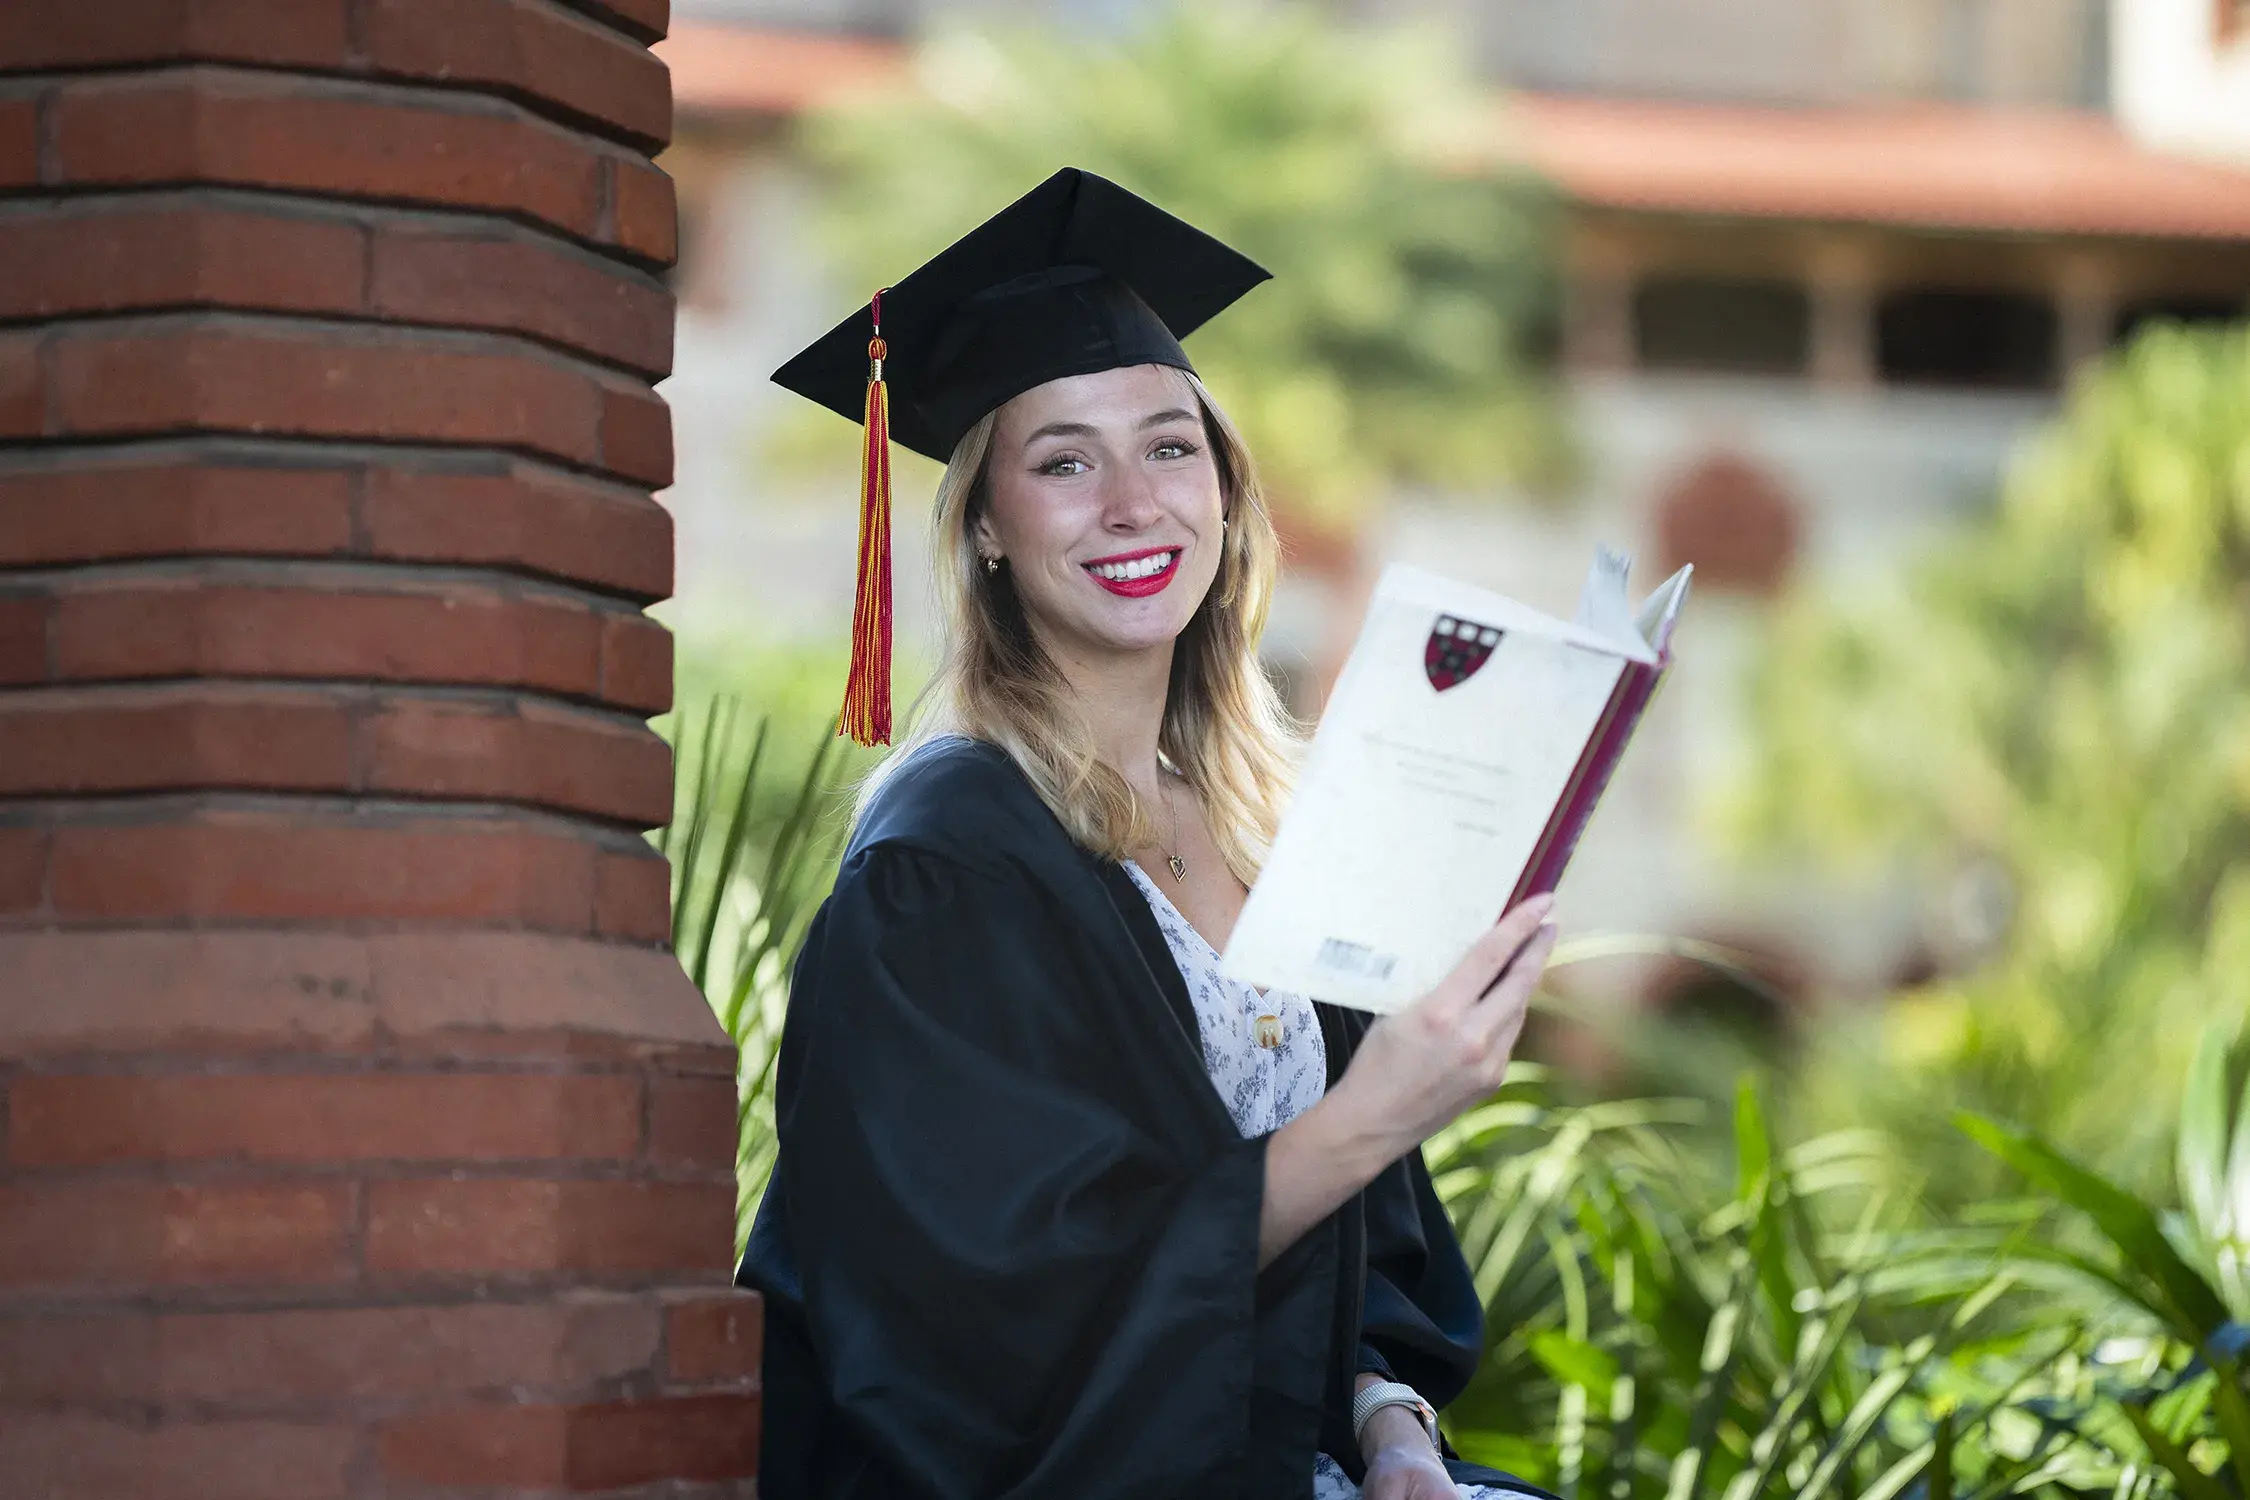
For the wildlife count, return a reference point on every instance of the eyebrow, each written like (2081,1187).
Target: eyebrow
(1086,429)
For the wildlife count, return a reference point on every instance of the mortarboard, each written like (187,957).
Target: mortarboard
(1075,277)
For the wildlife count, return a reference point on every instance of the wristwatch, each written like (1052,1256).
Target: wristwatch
(1391,1393)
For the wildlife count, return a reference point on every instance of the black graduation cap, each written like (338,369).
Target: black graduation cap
(1075,277)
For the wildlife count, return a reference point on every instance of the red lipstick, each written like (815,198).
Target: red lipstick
(1141,585)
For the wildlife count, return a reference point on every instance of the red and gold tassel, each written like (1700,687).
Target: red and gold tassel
(867,692)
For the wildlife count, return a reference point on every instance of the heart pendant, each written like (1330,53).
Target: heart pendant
(1179,866)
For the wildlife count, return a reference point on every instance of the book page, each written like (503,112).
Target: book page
(1452,733)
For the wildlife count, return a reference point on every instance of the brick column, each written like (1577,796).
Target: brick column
(361,1136)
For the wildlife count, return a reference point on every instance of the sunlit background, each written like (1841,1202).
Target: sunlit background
(1803,275)
(1915,325)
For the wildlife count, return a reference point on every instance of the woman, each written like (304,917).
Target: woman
(1060,1211)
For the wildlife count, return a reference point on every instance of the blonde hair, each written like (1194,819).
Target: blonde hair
(1225,729)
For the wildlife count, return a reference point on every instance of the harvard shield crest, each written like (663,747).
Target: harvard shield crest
(1455,650)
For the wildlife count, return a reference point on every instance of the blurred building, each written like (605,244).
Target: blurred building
(1826,260)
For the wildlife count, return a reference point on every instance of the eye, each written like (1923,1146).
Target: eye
(1173,448)
(1063,465)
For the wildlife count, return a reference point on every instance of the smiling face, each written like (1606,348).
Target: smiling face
(1103,496)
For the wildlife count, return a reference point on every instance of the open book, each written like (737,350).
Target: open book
(1460,756)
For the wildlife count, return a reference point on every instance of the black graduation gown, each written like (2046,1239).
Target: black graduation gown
(1010,1245)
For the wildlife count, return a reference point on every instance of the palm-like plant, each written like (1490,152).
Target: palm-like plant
(1392,345)
(1664,1334)
(2169,1407)
(751,855)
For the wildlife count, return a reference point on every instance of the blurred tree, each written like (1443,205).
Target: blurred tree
(2061,700)
(1396,340)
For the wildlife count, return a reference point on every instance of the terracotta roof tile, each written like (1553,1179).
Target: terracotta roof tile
(2033,171)
(2010,170)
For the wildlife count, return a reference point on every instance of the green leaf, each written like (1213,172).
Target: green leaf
(1722,1351)
(2193,1482)
(2185,1298)
(2202,1151)
(1576,1362)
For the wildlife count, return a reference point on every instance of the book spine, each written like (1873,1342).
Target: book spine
(1636,685)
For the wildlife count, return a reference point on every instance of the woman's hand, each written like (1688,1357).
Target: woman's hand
(1413,1073)
(1416,1071)
(1408,1470)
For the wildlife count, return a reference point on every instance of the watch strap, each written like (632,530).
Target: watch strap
(1382,1393)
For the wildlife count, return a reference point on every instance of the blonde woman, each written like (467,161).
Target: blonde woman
(1059,1210)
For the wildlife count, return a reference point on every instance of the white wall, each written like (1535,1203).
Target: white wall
(2171,83)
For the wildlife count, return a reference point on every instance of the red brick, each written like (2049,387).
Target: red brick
(78,1358)
(692,1122)
(531,516)
(86,1234)
(647,212)
(517,1446)
(60,34)
(492,44)
(87,1458)
(25,621)
(270,868)
(534,49)
(521,751)
(296,134)
(203,375)
(23,397)
(645,19)
(23,869)
(241,993)
(316,1359)
(699,1060)
(637,663)
(519,282)
(78,741)
(83,1120)
(126,256)
(636,434)
(450,996)
(715,1338)
(686,1437)
(19,142)
(453,634)
(633,897)
(167,506)
(485,1227)
(601,1447)
(515,513)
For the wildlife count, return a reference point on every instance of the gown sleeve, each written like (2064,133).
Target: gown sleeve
(1421,1322)
(1026,1283)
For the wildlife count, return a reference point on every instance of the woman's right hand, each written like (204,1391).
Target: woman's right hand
(1413,1073)
(1418,1070)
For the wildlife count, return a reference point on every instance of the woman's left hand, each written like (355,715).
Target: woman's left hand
(1408,1471)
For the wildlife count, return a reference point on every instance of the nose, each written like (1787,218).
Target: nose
(1129,502)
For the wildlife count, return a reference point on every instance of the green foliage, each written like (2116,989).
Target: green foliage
(2073,681)
(1772,1330)
(1391,345)
(1670,1334)
(2175,1404)
(752,854)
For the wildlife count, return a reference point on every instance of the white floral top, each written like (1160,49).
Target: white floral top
(1265,1053)
(1269,1062)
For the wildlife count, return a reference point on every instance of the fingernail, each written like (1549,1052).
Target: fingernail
(1542,904)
